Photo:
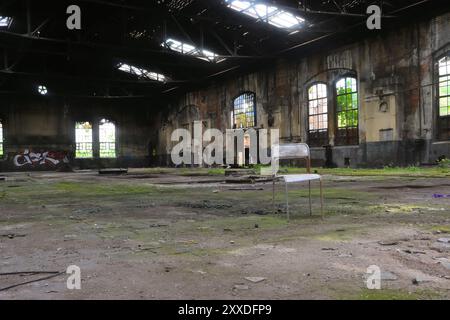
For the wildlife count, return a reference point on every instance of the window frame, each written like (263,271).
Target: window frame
(346,139)
(192,50)
(315,141)
(233,112)
(100,142)
(92,141)
(273,15)
(2,141)
(6,21)
(141,73)
(442,122)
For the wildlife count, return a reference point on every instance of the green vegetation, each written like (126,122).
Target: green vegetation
(37,193)
(433,172)
(80,154)
(444,164)
(332,193)
(207,237)
(440,171)
(347,109)
(427,172)
(444,93)
(441,228)
(243,224)
(347,103)
(336,236)
(102,189)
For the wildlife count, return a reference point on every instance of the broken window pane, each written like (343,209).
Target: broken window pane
(244,112)
(42,90)
(1,140)
(107,138)
(444,87)
(318,114)
(188,49)
(83,140)
(443,103)
(5,21)
(347,111)
(267,13)
(141,73)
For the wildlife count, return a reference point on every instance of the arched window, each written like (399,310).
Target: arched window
(107,139)
(244,111)
(83,140)
(318,115)
(347,111)
(1,139)
(444,98)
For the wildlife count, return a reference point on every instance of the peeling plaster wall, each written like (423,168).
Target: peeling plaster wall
(42,124)
(395,73)
(397,69)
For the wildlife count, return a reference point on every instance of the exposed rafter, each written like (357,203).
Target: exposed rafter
(132,31)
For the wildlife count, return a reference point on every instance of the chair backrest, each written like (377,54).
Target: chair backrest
(291,151)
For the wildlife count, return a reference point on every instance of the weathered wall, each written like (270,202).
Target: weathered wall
(396,69)
(47,124)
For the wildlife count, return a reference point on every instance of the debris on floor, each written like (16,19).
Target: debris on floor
(239,172)
(240,287)
(12,235)
(181,237)
(119,171)
(388,243)
(255,279)
(388,276)
(421,279)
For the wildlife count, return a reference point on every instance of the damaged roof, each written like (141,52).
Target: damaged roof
(139,48)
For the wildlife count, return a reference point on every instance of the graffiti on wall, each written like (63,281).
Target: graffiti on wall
(40,159)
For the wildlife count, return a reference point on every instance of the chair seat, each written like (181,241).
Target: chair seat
(300,177)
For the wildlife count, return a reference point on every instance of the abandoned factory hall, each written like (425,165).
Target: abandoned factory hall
(375,100)
(225,149)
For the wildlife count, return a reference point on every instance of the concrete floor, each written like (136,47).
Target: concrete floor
(164,235)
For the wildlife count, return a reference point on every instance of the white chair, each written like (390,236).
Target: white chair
(293,151)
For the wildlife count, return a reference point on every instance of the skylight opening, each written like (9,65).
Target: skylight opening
(142,73)
(269,14)
(188,49)
(5,21)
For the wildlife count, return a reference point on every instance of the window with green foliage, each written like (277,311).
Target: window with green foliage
(443,102)
(444,87)
(318,114)
(347,111)
(107,138)
(83,140)
(1,139)
(244,111)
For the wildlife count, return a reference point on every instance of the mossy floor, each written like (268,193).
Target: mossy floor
(186,234)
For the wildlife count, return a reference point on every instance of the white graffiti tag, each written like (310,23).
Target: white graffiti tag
(32,158)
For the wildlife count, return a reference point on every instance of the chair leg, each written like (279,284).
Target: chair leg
(273,196)
(287,202)
(321,198)
(310,201)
